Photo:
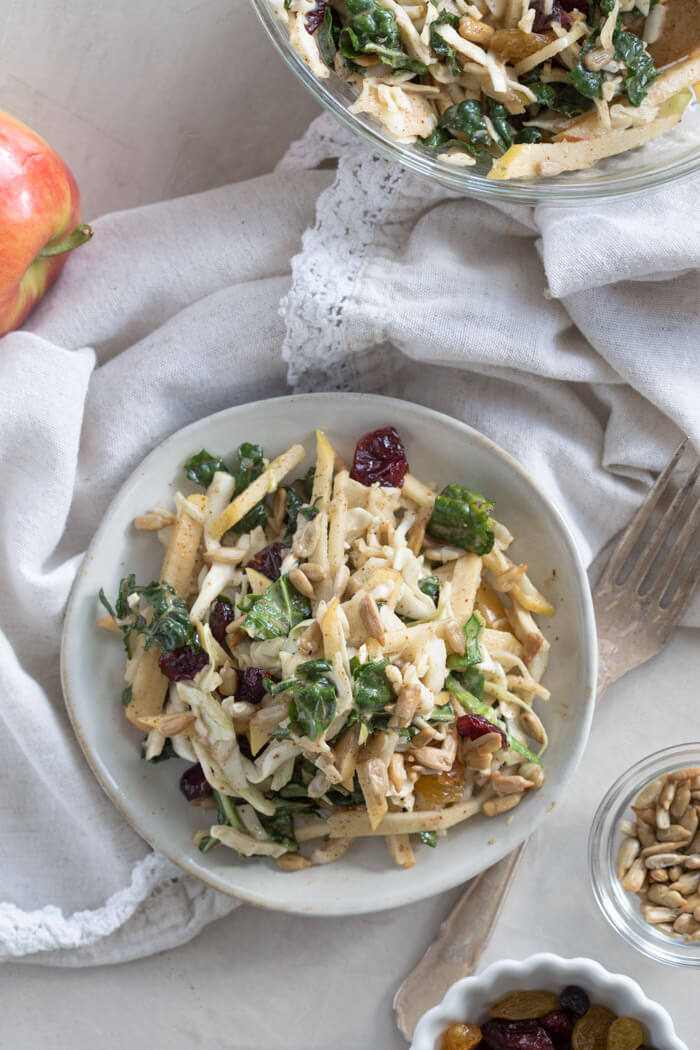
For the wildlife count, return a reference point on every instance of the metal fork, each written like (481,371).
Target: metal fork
(638,599)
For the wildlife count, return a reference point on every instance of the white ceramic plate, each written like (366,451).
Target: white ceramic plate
(470,998)
(439,449)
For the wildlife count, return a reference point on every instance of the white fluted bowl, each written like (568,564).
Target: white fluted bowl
(470,998)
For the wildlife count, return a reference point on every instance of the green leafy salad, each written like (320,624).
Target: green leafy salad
(334,653)
(521,87)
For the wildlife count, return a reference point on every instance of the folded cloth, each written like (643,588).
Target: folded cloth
(566,335)
(170,313)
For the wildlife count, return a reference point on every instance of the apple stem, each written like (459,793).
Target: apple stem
(79,236)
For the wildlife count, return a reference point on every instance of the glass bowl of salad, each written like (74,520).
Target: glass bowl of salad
(527,101)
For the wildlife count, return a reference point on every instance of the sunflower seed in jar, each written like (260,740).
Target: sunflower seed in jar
(667,794)
(681,801)
(665,896)
(664,860)
(655,915)
(635,877)
(648,795)
(687,883)
(628,851)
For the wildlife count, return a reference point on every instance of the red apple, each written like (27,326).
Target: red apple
(39,219)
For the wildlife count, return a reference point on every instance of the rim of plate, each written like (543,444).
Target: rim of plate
(119,796)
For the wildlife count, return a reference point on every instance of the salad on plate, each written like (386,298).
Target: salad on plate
(342,653)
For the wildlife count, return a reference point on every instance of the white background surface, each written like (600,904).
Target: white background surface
(150,99)
(166,97)
(264,981)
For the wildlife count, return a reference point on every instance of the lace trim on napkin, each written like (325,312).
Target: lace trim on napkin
(48,929)
(349,216)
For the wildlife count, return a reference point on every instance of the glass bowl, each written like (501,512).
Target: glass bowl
(620,907)
(672,156)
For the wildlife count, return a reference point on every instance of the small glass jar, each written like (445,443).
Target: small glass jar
(619,906)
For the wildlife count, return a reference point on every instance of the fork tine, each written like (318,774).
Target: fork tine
(640,519)
(671,563)
(661,532)
(685,592)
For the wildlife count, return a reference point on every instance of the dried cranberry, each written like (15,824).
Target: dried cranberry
(315,16)
(182,663)
(475,726)
(515,1035)
(251,686)
(193,784)
(575,1000)
(269,560)
(380,456)
(559,13)
(221,615)
(559,1025)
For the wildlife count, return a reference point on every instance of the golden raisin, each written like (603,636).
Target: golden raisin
(440,788)
(489,605)
(512,45)
(461,1037)
(625,1034)
(591,1030)
(524,1006)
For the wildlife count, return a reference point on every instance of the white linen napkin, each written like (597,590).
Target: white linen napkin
(568,335)
(171,313)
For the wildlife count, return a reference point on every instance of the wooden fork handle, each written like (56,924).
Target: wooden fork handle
(459,944)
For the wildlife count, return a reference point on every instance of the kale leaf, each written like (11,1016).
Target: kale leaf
(587,82)
(295,507)
(169,627)
(277,611)
(430,585)
(313,698)
(440,47)
(560,98)
(632,50)
(327,36)
(371,688)
(373,29)
(202,468)
(280,828)
(467,118)
(463,518)
(248,464)
(529,135)
(498,115)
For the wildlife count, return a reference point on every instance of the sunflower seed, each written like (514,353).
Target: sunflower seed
(687,884)
(628,851)
(628,828)
(635,877)
(664,895)
(649,795)
(681,800)
(668,792)
(665,860)
(494,806)
(663,820)
(656,915)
